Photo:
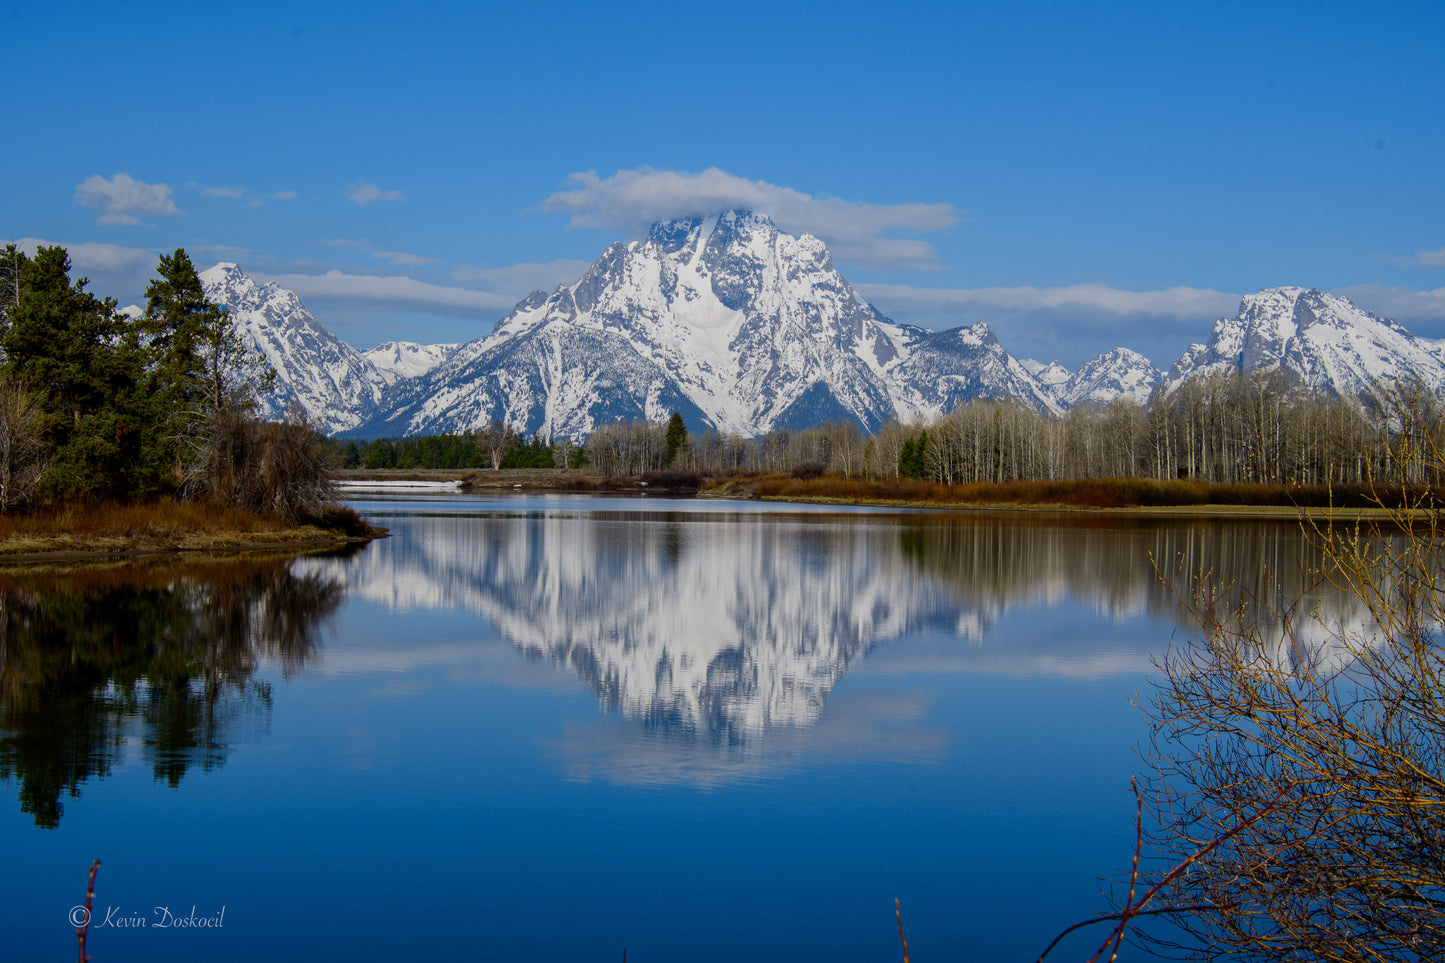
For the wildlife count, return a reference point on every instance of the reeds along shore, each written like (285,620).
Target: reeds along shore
(1091,493)
(1069,493)
(163,518)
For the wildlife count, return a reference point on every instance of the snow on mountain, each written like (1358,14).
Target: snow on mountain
(1113,374)
(1321,340)
(723,318)
(938,371)
(743,634)
(746,329)
(395,360)
(333,382)
(1051,376)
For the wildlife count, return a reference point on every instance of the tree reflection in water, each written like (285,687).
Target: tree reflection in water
(719,636)
(159,658)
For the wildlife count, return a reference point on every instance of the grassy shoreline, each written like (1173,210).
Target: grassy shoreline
(83,534)
(1129,496)
(100,533)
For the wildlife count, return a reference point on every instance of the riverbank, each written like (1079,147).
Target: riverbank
(1131,495)
(101,533)
(1175,497)
(537,480)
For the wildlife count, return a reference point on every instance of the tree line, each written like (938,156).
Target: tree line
(100,403)
(1236,428)
(496,447)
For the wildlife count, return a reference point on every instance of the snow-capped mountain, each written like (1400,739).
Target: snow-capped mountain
(724,318)
(395,360)
(1051,377)
(335,384)
(1113,374)
(746,329)
(938,371)
(1321,341)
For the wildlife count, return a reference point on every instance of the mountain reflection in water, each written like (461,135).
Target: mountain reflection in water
(722,634)
(95,666)
(715,637)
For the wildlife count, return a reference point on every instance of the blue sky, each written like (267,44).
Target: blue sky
(1078,176)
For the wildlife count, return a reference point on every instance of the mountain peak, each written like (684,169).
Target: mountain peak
(224,272)
(330,379)
(737,325)
(672,233)
(1118,372)
(1319,340)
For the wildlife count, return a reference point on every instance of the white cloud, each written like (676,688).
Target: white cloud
(94,256)
(283,196)
(215,191)
(1433,259)
(1074,302)
(631,200)
(402,259)
(337,285)
(1402,304)
(344,242)
(364,192)
(122,197)
(523,279)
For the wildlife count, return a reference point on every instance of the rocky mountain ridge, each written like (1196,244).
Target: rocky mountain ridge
(1318,339)
(746,329)
(336,385)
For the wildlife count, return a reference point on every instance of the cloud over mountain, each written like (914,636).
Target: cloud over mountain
(1405,304)
(1089,300)
(393,289)
(631,200)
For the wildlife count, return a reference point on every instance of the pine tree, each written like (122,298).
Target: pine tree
(83,363)
(200,374)
(198,357)
(676,437)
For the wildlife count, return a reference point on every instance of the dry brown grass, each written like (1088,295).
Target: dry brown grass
(1090,493)
(163,518)
(82,532)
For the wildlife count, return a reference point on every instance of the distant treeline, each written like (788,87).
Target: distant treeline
(1228,428)
(1232,428)
(498,447)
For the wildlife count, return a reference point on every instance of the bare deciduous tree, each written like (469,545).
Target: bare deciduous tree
(277,468)
(22,446)
(1338,731)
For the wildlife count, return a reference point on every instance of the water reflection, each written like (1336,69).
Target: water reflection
(713,639)
(97,668)
(713,630)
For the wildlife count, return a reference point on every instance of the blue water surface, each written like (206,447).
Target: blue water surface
(563,727)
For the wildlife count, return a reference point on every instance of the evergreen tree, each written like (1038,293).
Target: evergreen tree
(676,436)
(175,326)
(200,375)
(84,364)
(535,454)
(912,456)
(199,362)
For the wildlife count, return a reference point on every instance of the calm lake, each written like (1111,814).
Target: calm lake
(555,728)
